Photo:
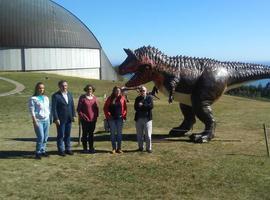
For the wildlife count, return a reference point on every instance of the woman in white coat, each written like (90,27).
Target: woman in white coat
(39,107)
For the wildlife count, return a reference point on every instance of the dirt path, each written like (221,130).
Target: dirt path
(19,87)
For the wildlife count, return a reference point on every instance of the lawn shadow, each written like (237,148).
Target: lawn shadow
(225,140)
(17,155)
(101,137)
(10,154)
(243,154)
(50,139)
(156,138)
(80,151)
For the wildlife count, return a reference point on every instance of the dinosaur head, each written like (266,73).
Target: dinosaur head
(141,63)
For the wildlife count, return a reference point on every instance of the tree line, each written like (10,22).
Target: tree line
(251,91)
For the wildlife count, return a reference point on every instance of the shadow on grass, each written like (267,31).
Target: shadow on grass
(31,154)
(156,138)
(17,154)
(101,136)
(243,154)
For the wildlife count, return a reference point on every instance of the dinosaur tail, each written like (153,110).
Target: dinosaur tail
(241,73)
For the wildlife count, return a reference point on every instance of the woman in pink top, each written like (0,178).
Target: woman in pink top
(88,113)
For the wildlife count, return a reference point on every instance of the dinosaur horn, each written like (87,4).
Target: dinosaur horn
(129,52)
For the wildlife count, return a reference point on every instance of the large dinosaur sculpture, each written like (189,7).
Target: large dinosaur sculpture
(196,83)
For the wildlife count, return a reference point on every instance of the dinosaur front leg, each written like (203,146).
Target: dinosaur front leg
(171,83)
(186,125)
(154,91)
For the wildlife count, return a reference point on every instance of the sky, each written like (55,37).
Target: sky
(226,30)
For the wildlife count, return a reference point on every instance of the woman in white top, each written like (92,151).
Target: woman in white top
(39,107)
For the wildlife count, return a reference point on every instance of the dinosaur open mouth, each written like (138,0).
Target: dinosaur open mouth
(139,78)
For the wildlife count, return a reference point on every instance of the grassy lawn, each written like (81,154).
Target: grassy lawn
(6,86)
(232,166)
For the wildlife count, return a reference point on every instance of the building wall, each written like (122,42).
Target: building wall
(82,73)
(85,63)
(61,58)
(10,60)
(107,70)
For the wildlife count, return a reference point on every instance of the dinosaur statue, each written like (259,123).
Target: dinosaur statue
(196,83)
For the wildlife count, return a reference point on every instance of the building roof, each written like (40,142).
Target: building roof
(42,24)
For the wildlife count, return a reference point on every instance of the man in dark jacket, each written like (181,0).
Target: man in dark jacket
(63,114)
(143,116)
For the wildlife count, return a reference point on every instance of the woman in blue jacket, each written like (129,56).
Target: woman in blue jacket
(39,108)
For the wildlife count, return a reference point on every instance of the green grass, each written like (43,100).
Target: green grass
(232,166)
(6,86)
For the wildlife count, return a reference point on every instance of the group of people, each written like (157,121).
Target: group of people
(61,111)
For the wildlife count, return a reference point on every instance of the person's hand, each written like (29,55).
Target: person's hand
(123,88)
(35,123)
(140,104)
(57,122)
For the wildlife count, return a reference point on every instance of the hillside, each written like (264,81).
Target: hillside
(232,166)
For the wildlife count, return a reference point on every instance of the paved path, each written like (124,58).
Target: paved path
(19,87)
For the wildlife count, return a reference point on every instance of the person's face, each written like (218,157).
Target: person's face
(143,91)
(89,90)
(41,89)
(64,87)
(117,92)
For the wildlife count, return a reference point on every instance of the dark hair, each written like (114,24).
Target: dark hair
(36,93)
(61,82)
(88,86)
(113,91)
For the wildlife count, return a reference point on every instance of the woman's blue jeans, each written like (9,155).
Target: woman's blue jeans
(116,126)
(42,133)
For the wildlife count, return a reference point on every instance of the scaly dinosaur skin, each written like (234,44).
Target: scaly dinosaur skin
(196,83)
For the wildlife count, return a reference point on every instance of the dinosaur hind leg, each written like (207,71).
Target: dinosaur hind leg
(204,112)
(186,125)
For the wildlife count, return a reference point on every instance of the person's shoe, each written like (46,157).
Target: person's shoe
(45,154)
(149,151)
(119,151)
(84,151)
(139,149)
(38,156)
(92,151)
(113,151)
(61,153)
(69,152)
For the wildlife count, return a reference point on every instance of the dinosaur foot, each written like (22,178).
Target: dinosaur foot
(178,132)
(201,138)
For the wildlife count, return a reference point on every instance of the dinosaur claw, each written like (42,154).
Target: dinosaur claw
(170,99)
(198,138)
(178,132)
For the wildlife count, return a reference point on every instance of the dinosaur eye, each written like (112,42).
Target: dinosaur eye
(147,67)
